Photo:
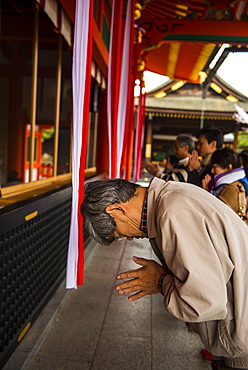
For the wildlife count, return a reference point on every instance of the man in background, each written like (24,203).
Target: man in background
(184,146)
(209,139)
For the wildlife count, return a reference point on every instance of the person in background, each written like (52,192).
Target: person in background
(209,140)
(230,183)
(184,146)
(225,168)
(243,157)
(202,273)
(170,163)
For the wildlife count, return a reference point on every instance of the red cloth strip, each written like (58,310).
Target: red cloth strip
(114,81)
(80,267)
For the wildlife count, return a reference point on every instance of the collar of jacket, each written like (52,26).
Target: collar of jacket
(206,160)
(153,191)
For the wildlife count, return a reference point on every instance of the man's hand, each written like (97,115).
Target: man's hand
(194,163)
(152,168)
(144,280)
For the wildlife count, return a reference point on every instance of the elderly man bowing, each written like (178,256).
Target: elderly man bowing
(203,248)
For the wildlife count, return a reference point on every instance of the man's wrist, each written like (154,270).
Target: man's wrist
(160,283)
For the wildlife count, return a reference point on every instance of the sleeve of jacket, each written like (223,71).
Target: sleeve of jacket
(194,178)
(195,290)
(177,175)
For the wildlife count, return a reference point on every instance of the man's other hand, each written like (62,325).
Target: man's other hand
(194,163)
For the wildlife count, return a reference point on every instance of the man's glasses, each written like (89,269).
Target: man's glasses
(116,237)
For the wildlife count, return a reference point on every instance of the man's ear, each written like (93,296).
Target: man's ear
(213,144)
(112,209)
(186,148)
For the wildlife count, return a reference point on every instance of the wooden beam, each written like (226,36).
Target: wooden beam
(205,31)
(33,90)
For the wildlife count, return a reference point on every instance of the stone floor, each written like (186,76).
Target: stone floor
(94,328)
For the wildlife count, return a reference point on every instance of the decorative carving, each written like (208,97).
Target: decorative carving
(218,14)
(149,26)
(138,35)
(141,65)
(154,28)
(148,48)
(137,10)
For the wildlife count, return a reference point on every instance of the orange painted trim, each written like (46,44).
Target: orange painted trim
(100,52)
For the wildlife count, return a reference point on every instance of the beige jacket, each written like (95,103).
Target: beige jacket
(205,248)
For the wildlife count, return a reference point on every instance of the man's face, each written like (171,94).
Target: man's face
(204,148)
(127,227)
(181,152)
(127,217)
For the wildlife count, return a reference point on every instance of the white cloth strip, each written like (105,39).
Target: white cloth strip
(78,79)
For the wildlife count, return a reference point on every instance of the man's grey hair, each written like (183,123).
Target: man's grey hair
(97,196)
(185,139)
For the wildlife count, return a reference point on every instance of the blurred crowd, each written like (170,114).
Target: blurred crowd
(206,163)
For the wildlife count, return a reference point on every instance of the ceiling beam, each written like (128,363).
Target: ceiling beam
(212,72)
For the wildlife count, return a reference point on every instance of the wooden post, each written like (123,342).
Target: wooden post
(148,148)
(33,90)
(57,107)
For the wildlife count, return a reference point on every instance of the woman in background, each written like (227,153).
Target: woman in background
(225,168)
(243,157)
(230,181)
